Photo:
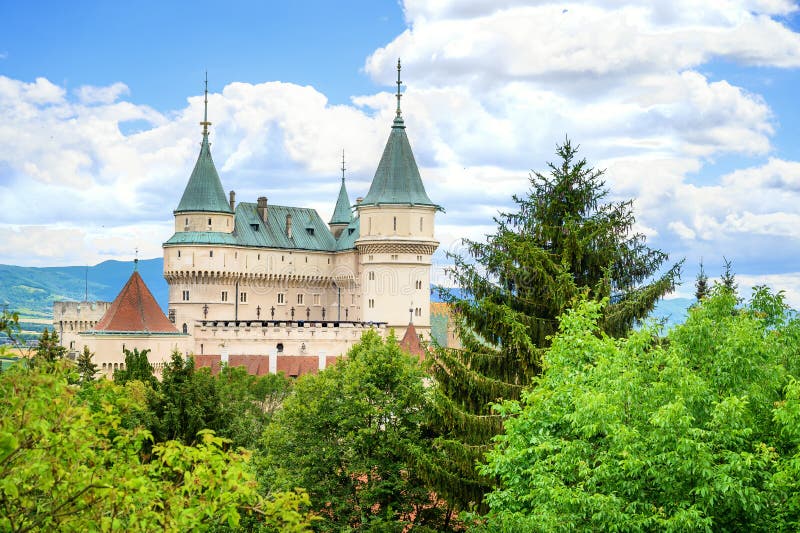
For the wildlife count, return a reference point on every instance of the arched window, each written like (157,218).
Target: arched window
(279,347)
(185,328)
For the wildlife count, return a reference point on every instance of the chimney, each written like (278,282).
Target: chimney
(262,208)
(359,200)
(289,226)
(233,200)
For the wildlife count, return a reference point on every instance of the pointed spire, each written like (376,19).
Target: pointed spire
(397,179)
(399,83)
(135,310)
(205,122)
(342,214)
(204,191)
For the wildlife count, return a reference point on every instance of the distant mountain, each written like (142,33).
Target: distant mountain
(672,312)
(31,290)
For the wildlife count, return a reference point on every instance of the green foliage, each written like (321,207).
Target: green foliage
(9,324)
(187,401)
(699,432)
(351,435)
(564,241)
(68,463)
(85,366)
(247,403)
(49,350)
(701,284)
(137,367)
(728,279)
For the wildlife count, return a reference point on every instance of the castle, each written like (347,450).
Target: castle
(275,288)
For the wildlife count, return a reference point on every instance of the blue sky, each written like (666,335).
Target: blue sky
(690,107)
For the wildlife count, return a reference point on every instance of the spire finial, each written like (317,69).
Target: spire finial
(205,122)
(136,260)
(343,169)
(398,87)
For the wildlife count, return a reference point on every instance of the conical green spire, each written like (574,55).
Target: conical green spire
(397,179)
(204,191)
(342,214)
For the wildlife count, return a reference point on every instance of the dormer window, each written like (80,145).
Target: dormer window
(254,227)
(310,231)
(350,231)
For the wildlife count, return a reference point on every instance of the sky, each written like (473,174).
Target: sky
(690,107)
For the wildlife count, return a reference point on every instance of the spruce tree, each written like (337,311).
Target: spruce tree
(49,350)
(728,279)
(563,240)
(85,366)
(701,284)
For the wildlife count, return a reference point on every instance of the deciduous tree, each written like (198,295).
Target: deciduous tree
(699,433)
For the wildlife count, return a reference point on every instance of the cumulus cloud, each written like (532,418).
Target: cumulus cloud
(89,94)
(492,87)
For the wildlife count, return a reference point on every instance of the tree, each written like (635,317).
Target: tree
(247,403)
(187,401)
(137,367)
(66,465)
(49,350)
(698,433)
(728,279)
(701,284)
(564,240)
(85,366)
(349,435)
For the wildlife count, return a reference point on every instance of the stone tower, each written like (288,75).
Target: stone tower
(397,238)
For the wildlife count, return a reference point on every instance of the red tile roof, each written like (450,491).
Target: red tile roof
(135,309)
(410,342)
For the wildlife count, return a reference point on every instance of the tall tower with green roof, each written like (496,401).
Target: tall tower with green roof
(203,206)
(397,237)
(342,214)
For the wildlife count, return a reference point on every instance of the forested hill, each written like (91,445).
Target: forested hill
(32,290)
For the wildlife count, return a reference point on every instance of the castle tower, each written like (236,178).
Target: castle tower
(342,214)
(396,238)
(204,221)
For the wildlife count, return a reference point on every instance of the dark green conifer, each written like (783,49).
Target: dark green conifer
(728,279)
(563,240)
(701,284)
(85,366)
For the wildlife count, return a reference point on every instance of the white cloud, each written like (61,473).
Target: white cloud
(492,86)
(89,94)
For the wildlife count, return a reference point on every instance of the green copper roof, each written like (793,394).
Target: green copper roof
(397,180)
(342,214)
(204,191)
(309,232)
(347,240)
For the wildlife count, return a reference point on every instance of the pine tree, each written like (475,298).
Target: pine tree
(49,350)
(701,284)
(563,240)
(85,366)
(728,279)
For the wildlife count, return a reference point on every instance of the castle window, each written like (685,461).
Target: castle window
(209,221)
(211,253)
(371,303)
(299,299)
(281,298)
(172,315)
(259,257)
(254,227)
(419,284)
(371,276)
(201,349)
(185,328)
(187,221)
(394,257)
(420,223)
(310,231)
(185,296)
(281,259)
(243,297)
(316,299)
(236,255)
(279,347)
(179,253)
(352,299)
(329,260)
(306,259)
(419,258)
(350,231)
(394,223)
(224,297)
